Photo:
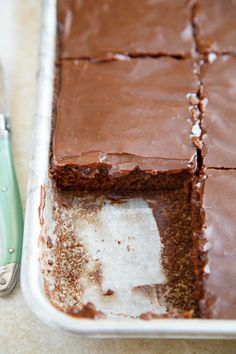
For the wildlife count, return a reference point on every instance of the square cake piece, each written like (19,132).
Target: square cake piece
(219,202)
(215,20)
(92,28)
(124,124)
(219,121)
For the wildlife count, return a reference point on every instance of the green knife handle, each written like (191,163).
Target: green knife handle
(11,216)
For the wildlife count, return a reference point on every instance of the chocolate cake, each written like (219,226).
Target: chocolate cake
(215,23)
(92,28)
(218,121)
(219,203)
(142,109)
(124,124)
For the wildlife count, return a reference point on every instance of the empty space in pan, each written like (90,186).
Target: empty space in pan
(113,251)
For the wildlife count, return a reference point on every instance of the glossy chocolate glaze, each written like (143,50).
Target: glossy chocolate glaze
(219,202)
(216,25)
(125,114)
(90,28)
(220,113)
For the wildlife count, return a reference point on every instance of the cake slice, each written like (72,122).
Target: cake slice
(219,119)
(125,125)
(219,203)
(91,28)
(215,21)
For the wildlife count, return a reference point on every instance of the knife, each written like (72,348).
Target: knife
(11,216)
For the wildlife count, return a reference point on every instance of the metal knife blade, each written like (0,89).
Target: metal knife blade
(2,91)
(3,108)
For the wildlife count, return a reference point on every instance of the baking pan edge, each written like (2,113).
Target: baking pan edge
(31,278)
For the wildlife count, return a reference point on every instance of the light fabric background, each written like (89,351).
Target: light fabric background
(20,331)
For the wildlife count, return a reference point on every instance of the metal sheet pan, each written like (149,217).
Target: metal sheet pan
(37,224)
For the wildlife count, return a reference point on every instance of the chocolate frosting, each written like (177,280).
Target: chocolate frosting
(216,24)
(90,28)
(125,112)
(220,213)
(220,116)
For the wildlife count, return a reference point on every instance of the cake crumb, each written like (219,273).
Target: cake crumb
(49,242)
(88,311)
(147,316)
(109,292)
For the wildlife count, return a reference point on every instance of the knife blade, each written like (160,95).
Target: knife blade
(11,216)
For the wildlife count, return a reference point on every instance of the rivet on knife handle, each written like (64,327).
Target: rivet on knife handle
(11,217)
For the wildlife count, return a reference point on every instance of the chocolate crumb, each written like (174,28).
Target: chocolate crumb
(50,262)
(49,242)
(109,292)
(147,316)
(88,311)
(42,204)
